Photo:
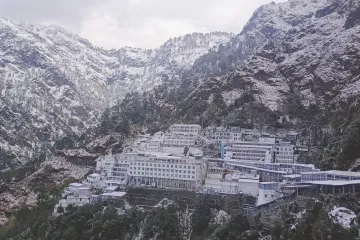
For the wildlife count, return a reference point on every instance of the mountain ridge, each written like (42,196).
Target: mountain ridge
(60,83)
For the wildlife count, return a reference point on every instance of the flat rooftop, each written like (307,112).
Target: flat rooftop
(268,183)
(114,194)
(274,164)
(255,168)
(336,172)
(292,176)
(335,183)
(298,186)
(248,180)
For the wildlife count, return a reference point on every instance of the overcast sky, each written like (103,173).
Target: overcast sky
(136,23)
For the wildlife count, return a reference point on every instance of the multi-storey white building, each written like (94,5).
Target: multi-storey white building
(179,140)
(284,152)
(250,134)
(331,175)
(261,150)
(332,182)
(285,168)
(114,169)
(77,194)
(164,171)
(233,183)
(156,170)
(227,135)
(188,129)
(94,180)
(154,145)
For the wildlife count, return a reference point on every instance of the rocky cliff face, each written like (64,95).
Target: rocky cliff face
(53,82)
(301,55)
(310,47)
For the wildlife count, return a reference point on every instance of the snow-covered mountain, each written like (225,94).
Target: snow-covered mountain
(307,49)
(294,65)
(54,82)
(312,47)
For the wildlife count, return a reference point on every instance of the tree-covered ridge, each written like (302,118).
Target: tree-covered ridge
(167,221)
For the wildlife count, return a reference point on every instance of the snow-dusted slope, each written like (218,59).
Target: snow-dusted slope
(143,69)
(310,46)
(54,82)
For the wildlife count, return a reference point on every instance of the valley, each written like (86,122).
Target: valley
(270,113)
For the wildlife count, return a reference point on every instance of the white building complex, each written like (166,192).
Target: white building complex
(114,169)
(94,180)
(179,140)
(261,150)
(77,194)
(226,135)
(160,170)
(284,152)
(326,182)
(188,129)
(233,183)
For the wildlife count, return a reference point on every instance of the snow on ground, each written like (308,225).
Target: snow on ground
(164,203)
(299,215)
(343,216)
(127,206)
(231,96)
(221,217)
